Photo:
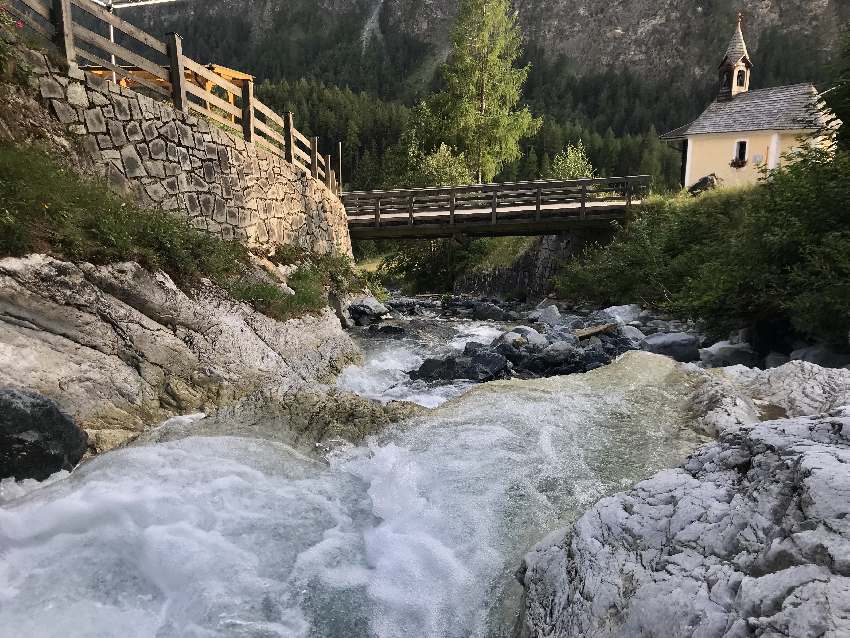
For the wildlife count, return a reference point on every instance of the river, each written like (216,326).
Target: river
(415,533)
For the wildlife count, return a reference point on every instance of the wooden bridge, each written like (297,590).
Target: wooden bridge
(521,208)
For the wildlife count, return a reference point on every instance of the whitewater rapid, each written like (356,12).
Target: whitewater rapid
(415,533)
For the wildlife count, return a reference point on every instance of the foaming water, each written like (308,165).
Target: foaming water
(416,533)
(383,377)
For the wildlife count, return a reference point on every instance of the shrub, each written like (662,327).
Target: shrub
(775,253)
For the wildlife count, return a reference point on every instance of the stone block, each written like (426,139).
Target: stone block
(157,148)
(65,113)
(105,142)
(116,132)
(199,184)
(209,171)
(184,134)
(51,89)
(122,107)
(143,151)
(117,180)
(77,95)
(135,109)
(193,207)
(150,133)
(183,182)
(171,185)
(134,132)
(77,129)
(183,158)
(172,169)
(155,168)
(96,83)
(171,152)
(156,192)
(207,203)
(169,131)
(95,122)
(132,163)
(227,232)
(90,146)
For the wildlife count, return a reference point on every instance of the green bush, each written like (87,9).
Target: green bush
(775,253)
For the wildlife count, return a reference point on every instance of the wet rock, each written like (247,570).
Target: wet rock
(725,353)
(486,310)
(623,314)
(366,310)
(387,329)
(36,437)
(775,359)
(747,538)
(677,345)
(550,315)
(480,366)
(534,340)
(634,336)
(821,355)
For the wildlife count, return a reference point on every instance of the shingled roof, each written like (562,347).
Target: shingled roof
(737,48)
(783,108)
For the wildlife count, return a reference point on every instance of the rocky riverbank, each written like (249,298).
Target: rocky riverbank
(120,348)
(747,538)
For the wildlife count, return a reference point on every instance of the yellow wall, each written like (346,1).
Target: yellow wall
(712,153)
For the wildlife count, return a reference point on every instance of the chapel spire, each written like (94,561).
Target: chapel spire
(736,65)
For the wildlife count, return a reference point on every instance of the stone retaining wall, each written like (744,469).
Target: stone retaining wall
(186,164)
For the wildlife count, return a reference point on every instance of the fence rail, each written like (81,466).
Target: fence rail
(222,95)
(522,207)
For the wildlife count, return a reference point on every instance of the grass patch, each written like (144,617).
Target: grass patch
(45,207)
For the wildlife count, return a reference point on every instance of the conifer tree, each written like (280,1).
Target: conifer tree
(483,87)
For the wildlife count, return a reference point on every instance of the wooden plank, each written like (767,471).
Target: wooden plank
(47,32)
(328,174)
(270,133)
(41,8)
(161,89)
(226,123)
(314,157)
(300,137)
(268,113)
(125,54)
(213,99)
(122,25)
(298,164)
(302,156)
(208,75)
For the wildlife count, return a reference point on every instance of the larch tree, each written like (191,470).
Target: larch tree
(479,105)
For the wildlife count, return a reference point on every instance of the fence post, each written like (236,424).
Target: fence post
(177,72)
(583,212)
(339,164)
(328,170)
(410,211)
(288,137)
(494,206)
(378,213)
(314,157)
(538,202)
(64,24)
(248,110)
(452,203)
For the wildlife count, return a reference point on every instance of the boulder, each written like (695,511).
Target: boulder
(388,329)
(562,352)
(821,355)
(634,336)
(535,340)
(725,353)
(488,311)
(705,184)
(366,310)
(748,538)
(36,437)
(550,316)
(624,314)
(680,346)
(481,366)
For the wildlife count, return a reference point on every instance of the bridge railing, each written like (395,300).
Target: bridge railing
(494,202)
(84,31)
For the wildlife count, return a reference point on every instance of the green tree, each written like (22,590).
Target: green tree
(838,98)
(572,163)
(484,87)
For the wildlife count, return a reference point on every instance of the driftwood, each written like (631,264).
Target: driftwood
(585,333)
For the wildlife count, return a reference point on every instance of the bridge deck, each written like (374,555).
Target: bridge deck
(524,208)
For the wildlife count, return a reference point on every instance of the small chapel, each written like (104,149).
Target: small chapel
(743,131)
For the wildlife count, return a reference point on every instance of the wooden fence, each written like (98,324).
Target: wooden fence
(160,69)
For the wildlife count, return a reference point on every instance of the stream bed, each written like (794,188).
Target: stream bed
(415,533)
